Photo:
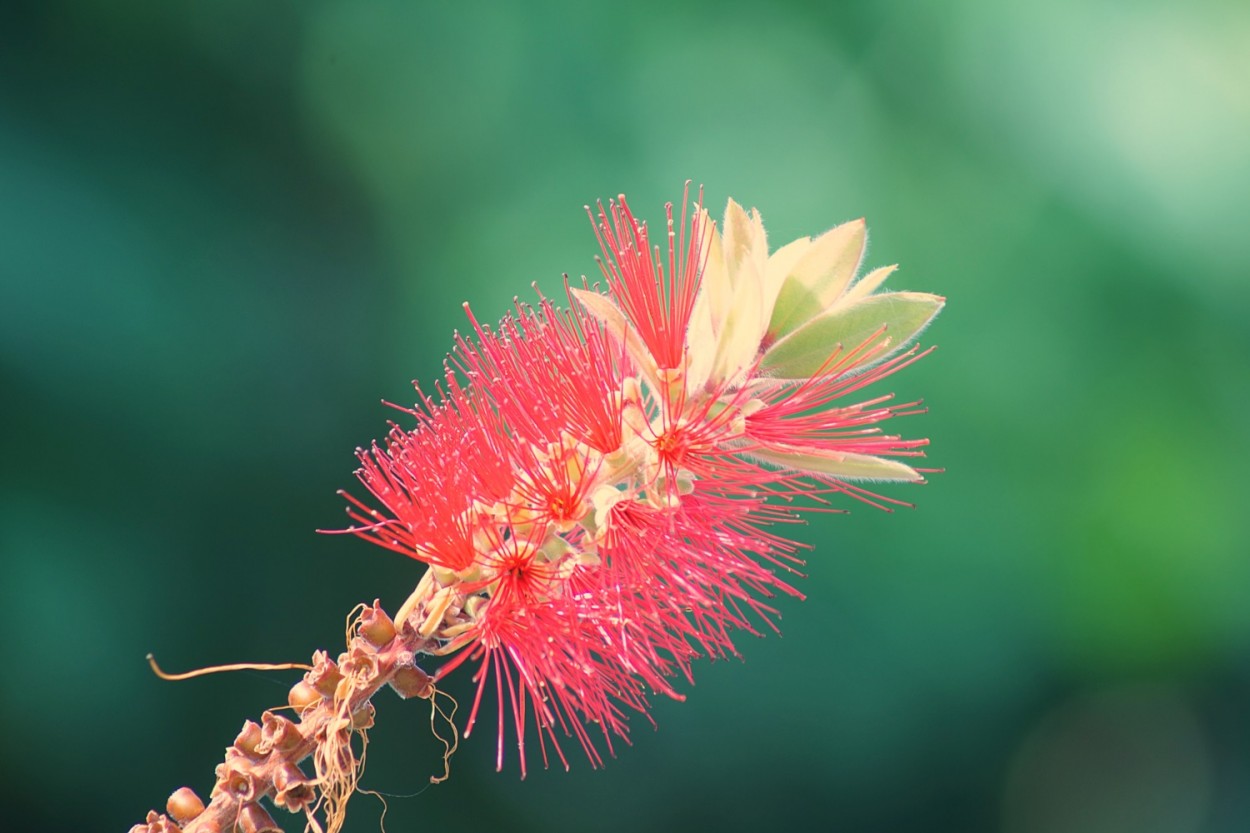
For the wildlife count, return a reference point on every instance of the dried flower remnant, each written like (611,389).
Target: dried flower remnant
(330,712)
(594,491)
(593,487)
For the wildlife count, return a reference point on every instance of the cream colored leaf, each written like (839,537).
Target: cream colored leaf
(738,237)
(866,285)
(781,263)
(730,313)
(616,323)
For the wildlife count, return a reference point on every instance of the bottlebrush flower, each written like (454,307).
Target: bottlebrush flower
(594,488)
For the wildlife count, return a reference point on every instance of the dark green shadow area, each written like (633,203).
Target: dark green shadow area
(228,230)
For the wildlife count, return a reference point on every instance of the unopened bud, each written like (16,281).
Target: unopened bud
(473,607)
(303,695)
(445,576)
(184,805)
(376,626)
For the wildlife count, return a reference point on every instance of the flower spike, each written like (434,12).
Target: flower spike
(593,489)
(599,496)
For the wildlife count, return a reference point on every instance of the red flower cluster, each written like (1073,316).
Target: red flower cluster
(593,488)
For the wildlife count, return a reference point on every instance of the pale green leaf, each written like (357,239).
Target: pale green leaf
(795,303)
(842,465)
(818,278)
(843,329)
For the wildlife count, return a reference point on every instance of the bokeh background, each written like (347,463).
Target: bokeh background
(228,229)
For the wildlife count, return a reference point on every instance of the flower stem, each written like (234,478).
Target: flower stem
(332,704)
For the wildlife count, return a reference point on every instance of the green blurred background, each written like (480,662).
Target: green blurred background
(228,229)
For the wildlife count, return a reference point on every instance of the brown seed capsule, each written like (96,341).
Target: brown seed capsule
(248,739)
(278,733)
(288,775)
(411,681)
(184,805)
(156,823)
(376,626)
(292,790)
(237,779)
(362,718)
(303,695)
(359,661)
(254,819)
(325,674)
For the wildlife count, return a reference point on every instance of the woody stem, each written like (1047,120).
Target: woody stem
(332,703)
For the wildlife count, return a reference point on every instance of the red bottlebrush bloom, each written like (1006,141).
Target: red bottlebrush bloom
(658,302)
(595,489)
